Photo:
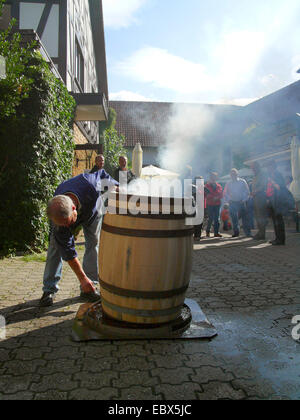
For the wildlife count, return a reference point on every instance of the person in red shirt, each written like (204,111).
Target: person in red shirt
(213,194)
(225,217)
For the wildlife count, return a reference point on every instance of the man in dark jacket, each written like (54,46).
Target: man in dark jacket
(123,168)
(275,189)
(99,164)
(76,201)
(259,189)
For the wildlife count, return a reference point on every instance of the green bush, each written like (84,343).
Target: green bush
(113,145)
(36,146)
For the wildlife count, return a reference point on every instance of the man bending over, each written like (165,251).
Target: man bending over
(76,201)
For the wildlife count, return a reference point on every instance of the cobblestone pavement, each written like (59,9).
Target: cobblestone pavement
(248,290)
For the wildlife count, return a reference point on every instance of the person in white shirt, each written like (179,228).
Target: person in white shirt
(237,194)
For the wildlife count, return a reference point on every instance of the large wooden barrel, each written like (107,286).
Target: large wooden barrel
(145,263)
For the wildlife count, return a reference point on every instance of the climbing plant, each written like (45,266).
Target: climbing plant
(36,143)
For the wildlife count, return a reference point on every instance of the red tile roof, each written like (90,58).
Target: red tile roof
(144,122)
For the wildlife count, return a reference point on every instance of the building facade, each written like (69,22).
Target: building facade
(71,33)
(275,121)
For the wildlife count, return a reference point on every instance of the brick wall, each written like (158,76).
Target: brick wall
(83,159)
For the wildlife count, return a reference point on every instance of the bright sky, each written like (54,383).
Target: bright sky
(207,51)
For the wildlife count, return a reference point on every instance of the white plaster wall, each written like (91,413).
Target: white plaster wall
(79,26)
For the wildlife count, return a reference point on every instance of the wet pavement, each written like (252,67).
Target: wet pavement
(248,290)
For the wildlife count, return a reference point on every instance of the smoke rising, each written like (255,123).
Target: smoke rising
(185,129)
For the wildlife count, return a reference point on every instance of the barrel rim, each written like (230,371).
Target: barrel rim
(148,199)
(140,313)
(154,216)
(143,294)
(148,233)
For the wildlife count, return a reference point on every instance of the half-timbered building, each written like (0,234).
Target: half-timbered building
(71,35)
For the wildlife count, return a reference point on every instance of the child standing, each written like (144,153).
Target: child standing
(225,217)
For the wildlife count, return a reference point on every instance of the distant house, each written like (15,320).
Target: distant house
(275,120)
(70,34)
(142,122)
(148,123)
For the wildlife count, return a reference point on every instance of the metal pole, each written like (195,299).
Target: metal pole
(2,67)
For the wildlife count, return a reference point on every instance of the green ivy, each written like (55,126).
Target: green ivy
(36,145)
(113,145)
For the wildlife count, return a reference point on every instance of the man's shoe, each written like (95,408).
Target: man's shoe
(218,235)
(91,296)
(208,234)
(276,242)
(47,299)
(236,235)
(197,238)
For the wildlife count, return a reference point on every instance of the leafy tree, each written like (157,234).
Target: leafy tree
(113,144)
(106,125)
(16,86)
(113,148)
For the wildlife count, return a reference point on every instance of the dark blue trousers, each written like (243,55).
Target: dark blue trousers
(213,218)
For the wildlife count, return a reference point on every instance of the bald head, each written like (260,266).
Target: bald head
(234,173)
(62,211)
(99,161)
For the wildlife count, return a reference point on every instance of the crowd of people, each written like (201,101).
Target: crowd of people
(265,196)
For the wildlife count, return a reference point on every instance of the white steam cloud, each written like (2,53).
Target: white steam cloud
(185,129)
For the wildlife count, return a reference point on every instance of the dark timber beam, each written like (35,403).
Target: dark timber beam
(44,18)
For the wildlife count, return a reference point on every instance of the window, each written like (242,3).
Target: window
(6,17)
(79,65)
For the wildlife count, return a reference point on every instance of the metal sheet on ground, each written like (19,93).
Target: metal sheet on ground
(192,325)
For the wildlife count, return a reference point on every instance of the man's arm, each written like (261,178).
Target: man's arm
(227,193)
(66,244)
(86,284)
(246,191)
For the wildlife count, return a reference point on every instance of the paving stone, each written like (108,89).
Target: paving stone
(184,391)
(173,376)
(99,351)
(92,380)
(133,362)
(26,353)
(4,355)
(19,396)
(251,389)
(136,377)
(57,381)
(63,353)
(52,395)
(138,393)
(220,391)
(21,367)
(206,374)
(127,349)
(13,384)
(95,365)
(99,395)
(169,360)
(66,366)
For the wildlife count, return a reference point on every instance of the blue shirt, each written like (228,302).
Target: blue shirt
(87,188)
(237,190)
